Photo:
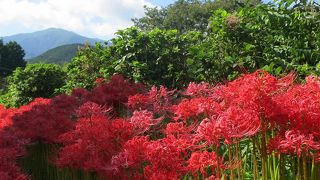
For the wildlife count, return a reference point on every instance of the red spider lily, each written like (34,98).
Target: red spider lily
(155,100)
(41,120)
(295,142)
(93,139)
(156,175)
(65,105)
(195,107)
(202,161)
(167,158)
(90,109)
(99,81)
(82,95)
(93,142)
(11,148)
(179,130)
(131,161)
(239,123)
(301,104)
(143,120)
(139,102)
(210,132)
(252,91)
(6,116)
(198,90)
(115,92)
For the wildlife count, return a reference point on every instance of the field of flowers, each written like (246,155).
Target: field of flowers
(255,127)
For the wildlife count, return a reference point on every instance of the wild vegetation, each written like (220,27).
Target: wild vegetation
(59,55)
(11,57)
(195,90)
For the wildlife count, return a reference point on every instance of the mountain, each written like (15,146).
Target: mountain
(58,55)
(36,43)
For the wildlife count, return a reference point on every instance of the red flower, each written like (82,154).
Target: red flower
(143,120)
(202,161)
(99,81)
(295,142)
(6,116)
(198,90)
(211,132)
(90,109)
(195,107)
(179,130)
(167,158)
(115,92)
(93,142)
(301,104)
(239,123)
(130,162)
(11,148)
(43,119)
(155,100)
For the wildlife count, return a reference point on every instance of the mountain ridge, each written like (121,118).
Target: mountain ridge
(58,55)
(38,42)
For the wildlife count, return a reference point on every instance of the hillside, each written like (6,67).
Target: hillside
(58,55)
(39,42)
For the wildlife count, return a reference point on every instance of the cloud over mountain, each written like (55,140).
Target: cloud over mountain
(93,18)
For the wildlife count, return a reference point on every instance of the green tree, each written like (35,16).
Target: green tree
(279,38)
(186,15)
(86,67)
(276,37)
(154,57)
(11,57)
(36,80)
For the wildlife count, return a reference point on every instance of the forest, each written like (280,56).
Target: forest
(218,89)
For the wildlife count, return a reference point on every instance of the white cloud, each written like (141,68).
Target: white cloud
(100,18)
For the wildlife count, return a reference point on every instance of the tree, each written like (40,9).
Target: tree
(11,57)
(86,67)
(278,38)
(36,80)
(154,57)
(187,15)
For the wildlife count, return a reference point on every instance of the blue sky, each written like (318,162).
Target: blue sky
(161,2)
(91,18)
(167,2)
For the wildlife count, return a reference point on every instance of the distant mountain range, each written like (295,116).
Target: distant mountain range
(36,43)
(59,55)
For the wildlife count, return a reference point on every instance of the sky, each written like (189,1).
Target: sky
(91,18)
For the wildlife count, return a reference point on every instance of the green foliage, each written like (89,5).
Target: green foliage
(59,55)
(11,57)
(274,37)
(86,67)
(186,15)
(36,80)
(154,57)
(279,38)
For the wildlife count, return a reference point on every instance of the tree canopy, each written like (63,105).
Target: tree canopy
(279,38)
(35,80)
(11,57)
(186,15)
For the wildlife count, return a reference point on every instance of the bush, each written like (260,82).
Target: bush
(36,80)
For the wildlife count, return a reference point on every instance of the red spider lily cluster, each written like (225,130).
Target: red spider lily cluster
(122,130)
